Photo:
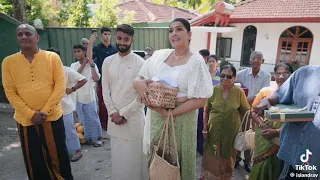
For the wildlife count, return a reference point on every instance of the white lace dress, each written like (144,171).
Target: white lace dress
(194,81)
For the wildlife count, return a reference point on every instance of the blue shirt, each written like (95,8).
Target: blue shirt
(302,89)
(100,52)
(254,84)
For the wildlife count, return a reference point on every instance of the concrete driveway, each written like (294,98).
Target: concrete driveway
(94,165)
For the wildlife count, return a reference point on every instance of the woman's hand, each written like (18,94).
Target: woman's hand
(141,85)
(269,133)
(264,104)
(161,111)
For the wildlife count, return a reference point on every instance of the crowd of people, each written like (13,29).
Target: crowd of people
(107,86)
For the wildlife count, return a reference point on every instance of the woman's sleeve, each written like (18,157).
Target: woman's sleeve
(199,80)
(209,101)
(147,68)
(258,98)
(244,104)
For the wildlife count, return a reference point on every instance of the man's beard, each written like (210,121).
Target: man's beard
(125,49)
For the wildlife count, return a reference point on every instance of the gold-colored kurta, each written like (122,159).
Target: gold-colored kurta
(224,120)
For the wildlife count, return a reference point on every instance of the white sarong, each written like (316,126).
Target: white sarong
(127,160)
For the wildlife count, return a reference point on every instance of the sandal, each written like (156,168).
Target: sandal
(76,156)
(98,143)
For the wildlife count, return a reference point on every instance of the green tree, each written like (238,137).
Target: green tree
(194,3)
(6,7)
(107,15)
(79,14)
(35,10)
(167,2)
(63,13)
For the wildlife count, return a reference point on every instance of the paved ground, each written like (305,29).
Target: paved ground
(95,164)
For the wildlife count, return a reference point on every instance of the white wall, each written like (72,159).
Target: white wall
(198,41)
(213,43)
(269,46)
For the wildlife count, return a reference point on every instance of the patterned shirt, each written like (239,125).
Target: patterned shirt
(302,89)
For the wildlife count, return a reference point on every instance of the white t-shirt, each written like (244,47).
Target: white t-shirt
(86,94)
(72,77)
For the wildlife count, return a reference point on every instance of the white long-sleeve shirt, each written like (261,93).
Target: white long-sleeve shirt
(118,74)
(72,77)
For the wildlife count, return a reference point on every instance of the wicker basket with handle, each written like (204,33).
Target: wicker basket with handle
(165,164)
(162,95)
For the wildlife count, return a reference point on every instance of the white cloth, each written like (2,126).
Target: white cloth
(254,84)
(86,94)
(119,95)
(193,78)
(72,77)
(126,158)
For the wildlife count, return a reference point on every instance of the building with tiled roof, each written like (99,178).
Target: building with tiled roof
(149,12)
(277,11)
(283,30)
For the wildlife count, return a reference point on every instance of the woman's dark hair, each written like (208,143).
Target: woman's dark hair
(231,67)
(52,49)
(125,28)
(287,65)
(105,29)
(213,56)
(185,23)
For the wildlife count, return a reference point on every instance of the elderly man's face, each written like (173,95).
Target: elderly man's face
(256,62)
(85,43)
(27,37)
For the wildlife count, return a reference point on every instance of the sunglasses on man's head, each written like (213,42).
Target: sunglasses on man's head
(226,76)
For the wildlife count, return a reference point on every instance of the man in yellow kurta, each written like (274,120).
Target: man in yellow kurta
(34,84)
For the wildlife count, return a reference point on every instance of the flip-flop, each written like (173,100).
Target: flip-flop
(76,157)
(98,144)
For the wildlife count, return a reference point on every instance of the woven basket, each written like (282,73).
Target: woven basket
(162,95)
(165,164)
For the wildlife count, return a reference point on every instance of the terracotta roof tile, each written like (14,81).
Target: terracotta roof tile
(151,12)
(277,9)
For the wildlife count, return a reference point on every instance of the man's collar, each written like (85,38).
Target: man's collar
(128,55)
(101,44)
(259,73)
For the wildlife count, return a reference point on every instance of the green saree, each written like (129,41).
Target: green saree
(266,163)
(186,136)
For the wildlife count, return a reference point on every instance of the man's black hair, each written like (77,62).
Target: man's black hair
(125,28)
(80,46)
(52,49)
(204,52)
(105,29)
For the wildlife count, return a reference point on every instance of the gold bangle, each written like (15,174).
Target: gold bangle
(260,124)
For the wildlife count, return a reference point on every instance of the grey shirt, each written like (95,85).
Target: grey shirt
(254,84)
(302,89)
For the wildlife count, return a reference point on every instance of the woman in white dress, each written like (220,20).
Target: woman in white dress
(188,70)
